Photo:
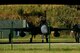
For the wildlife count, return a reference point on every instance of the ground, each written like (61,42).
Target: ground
(41,47)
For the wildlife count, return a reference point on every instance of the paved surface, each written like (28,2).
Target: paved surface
(66,44)
(60,43)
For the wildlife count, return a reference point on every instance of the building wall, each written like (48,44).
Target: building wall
(7,24)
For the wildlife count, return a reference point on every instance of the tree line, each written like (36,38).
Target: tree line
(58,15)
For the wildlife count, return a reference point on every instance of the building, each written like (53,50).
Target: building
(7,24)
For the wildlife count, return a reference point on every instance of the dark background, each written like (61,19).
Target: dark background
(66,2)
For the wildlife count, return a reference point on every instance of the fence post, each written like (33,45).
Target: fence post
(1,35)
(49,35)
(11,31)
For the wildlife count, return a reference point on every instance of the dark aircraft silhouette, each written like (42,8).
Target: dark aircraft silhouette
(34,31)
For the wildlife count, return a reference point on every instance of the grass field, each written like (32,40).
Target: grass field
(40,48)
(38,38)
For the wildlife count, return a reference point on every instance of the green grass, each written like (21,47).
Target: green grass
(40,48)
(38,38)
(35,48)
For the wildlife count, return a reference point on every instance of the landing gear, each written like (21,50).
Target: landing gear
(77,36)
(42,38)
(77,40)
(47,40)
(42,41)
(30,40)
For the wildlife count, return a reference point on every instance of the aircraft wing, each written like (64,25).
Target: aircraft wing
(59,29)
(25,29)
(15,29)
